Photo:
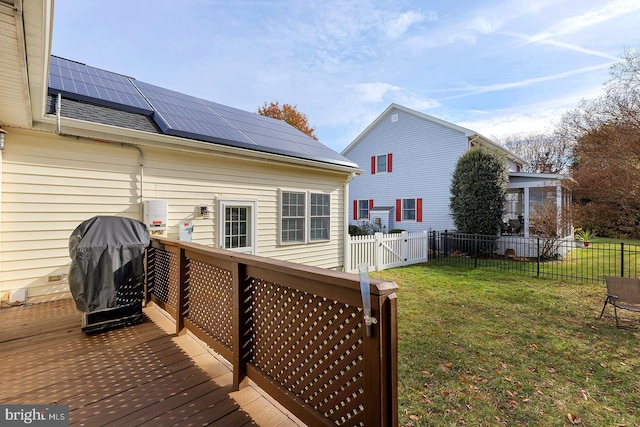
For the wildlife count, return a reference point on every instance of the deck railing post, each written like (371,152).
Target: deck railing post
(380,358)
(241,318)
(183,283)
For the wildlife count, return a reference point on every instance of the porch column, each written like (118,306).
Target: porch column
(526,211)
(559,209)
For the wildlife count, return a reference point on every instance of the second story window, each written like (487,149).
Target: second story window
(382,163)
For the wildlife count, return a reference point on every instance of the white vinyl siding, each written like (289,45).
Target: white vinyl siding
(50,184)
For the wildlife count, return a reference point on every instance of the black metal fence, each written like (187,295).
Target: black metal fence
(536,256)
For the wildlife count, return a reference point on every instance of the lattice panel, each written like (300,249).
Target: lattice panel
(311,346)
(210,300)
(165,280)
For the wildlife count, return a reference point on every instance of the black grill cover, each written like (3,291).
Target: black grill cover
(107,262)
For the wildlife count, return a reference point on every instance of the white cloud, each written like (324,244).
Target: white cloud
(588,19)
(400,25)
(474,90)
(373,92)
(563,45)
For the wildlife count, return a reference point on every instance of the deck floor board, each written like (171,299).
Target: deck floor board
(139,375)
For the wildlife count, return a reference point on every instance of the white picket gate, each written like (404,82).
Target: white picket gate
(381,251)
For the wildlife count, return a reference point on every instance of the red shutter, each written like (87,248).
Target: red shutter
(370,203)
(398,210)
(389,162)
(373,164)
(355,210)
(419,210)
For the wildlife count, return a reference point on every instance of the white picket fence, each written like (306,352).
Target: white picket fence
(381,251)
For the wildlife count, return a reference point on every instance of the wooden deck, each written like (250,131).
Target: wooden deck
(139,375)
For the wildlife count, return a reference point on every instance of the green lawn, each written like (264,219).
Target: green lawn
(486,347)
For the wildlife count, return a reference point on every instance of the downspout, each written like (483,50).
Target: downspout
(473,139)
(141,163)
(140,155)
(58,108)
(347,240)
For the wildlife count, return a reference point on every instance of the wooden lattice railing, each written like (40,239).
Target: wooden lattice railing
(298,332)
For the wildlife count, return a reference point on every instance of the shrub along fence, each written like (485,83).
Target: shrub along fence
(537,256)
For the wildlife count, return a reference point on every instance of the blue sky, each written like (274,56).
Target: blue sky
(496,67)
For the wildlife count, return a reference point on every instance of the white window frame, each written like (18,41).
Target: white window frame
(386,163)
(252,216)
(360,209)
(306,219)
(312,216)
(415,210)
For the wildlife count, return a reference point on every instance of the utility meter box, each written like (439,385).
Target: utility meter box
(155,216)
(185,231)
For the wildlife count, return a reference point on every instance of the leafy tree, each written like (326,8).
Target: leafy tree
(606,158)
(545,152)
(289,114)
(478,190)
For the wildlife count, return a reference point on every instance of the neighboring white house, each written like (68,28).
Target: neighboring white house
(82,142)
(409,159)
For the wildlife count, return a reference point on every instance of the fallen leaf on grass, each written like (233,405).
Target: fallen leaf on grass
(414,417)
(574,419)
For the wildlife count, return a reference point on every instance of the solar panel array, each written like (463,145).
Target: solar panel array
(186,116)
(83,83)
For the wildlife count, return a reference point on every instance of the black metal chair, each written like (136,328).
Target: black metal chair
(622,293)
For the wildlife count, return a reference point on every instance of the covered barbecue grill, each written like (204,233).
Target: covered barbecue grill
(106,276)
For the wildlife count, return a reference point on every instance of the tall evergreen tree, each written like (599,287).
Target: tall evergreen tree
(478,190)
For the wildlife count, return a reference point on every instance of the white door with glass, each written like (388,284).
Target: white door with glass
(237,225)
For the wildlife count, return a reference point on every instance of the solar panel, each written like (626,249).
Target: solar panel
(183,115)
(276,135)
(81,82)
(186,116)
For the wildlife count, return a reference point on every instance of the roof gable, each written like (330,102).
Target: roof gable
(469,134)
(185,116)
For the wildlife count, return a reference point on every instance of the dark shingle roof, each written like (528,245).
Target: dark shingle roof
(83,110)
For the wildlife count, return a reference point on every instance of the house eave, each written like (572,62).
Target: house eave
(486,141)
(471,135)
(102,132)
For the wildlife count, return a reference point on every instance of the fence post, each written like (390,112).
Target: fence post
(538,250)
(621,259)
(425,246)
(378,255)
(475,250)
(446,243)
(404,247)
